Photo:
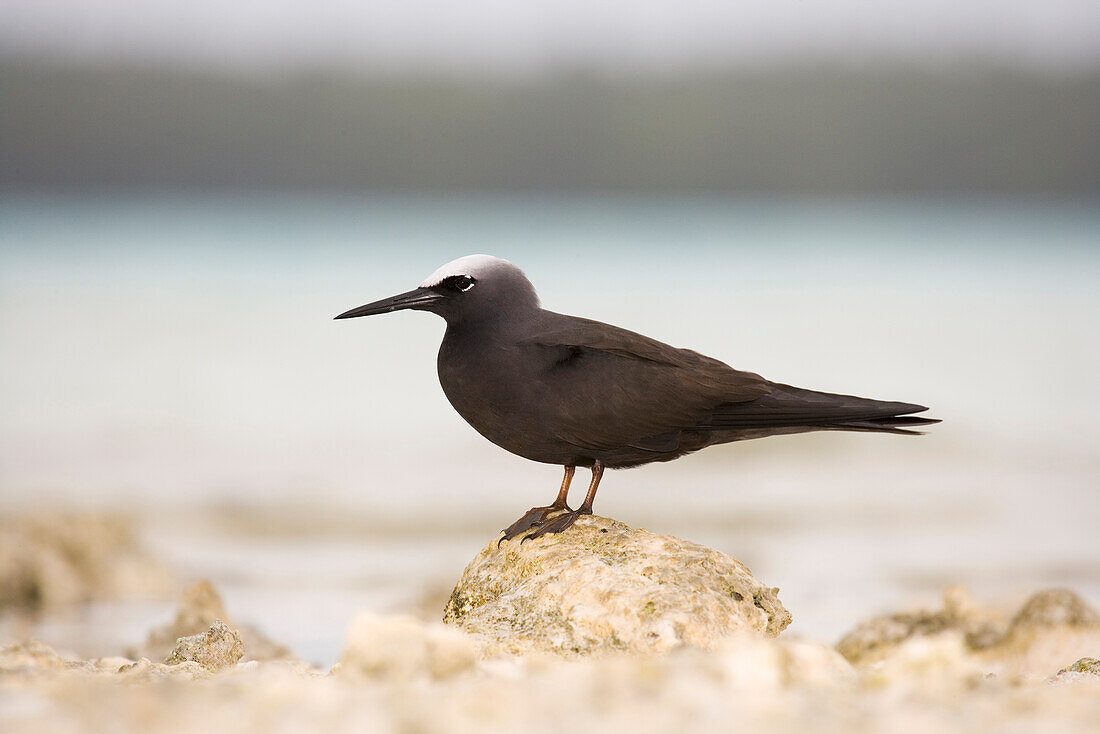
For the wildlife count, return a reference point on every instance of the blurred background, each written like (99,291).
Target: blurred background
(894,200)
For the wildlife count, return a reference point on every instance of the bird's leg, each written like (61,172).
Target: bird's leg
(566,519)
(537,515)
(597,475)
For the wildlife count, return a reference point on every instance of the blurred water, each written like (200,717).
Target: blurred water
(176,354)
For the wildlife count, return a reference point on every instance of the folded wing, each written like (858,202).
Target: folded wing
(620,389)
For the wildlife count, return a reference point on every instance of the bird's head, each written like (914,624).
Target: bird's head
(469,289)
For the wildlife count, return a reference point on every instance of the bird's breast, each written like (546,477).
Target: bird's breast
(486,384)
(496,389)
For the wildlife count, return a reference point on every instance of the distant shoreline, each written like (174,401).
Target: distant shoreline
(791,131)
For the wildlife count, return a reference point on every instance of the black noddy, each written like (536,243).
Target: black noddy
(575,392)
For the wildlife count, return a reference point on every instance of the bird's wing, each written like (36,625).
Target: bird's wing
(613,388)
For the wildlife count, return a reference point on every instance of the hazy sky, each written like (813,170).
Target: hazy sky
(530,36)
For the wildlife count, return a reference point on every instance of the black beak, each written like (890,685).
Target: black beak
(418,299)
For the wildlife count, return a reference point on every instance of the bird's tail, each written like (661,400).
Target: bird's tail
(900,424)
(785,406)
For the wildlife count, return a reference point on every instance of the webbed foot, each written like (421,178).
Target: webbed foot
(535,517)
(557,524)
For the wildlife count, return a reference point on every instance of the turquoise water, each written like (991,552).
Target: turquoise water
(176,354)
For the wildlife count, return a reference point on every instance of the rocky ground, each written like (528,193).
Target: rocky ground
(600,626)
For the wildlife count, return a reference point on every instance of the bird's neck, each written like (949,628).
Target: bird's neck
(496,327)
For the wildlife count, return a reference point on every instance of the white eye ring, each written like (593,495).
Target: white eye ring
(468,285)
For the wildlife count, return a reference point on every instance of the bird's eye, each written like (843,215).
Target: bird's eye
(463,283)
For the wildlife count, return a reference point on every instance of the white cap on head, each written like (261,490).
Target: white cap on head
(474,266)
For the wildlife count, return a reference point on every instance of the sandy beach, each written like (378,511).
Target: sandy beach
(962,667)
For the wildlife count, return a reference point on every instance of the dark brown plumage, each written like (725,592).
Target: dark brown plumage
(575,392)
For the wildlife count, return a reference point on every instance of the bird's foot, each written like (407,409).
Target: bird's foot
(535,517)
(557,524)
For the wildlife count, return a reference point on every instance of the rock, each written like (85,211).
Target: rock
(402,648)
(30,657)
(748,661)
(744,681)
(146,670)
(876,638)
(601,587)
(52,559)
(201,607)
(934,665)
(1083,669)
(217,648)
(111,663)
(1052,626)
(1054,608)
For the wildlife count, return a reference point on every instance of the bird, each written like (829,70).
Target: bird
(574,392)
